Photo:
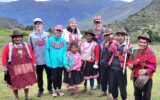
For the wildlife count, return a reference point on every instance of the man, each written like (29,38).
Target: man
(144,63)
(98,30)
(118,77)
(105,68)
(37,40)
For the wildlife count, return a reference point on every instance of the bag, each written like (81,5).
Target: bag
(141,81)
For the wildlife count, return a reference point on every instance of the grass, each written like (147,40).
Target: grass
(6,93)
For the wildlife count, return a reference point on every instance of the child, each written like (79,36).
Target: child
(90,56)
(56,51)
(73,76)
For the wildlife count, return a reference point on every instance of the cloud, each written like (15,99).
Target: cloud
(8,0)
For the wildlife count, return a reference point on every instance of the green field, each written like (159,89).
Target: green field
(6,93)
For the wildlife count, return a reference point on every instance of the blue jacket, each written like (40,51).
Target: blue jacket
(56,57)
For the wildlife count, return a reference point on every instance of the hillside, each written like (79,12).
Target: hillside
(9,23)
(145,20)
(53,11)
(116,13)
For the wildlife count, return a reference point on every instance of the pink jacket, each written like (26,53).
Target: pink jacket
(74,60)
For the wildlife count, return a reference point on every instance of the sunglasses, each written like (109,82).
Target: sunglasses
(59,30)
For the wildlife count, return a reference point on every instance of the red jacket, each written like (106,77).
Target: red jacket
(147,60)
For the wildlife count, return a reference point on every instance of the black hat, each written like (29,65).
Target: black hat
(144,36)
(16,32)
(90,31)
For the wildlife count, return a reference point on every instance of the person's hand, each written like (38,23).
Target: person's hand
(142,72)
(5,70)
(126,50)
(136,62)
(106,45)
(95,66)
(35,67)
(130,66)
(69,69)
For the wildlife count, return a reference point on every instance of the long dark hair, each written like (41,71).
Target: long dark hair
(69,29)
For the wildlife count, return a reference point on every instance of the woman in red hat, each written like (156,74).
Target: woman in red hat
(19,64)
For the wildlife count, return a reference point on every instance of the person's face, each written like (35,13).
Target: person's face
(143,44)
(89,37)
(17,39)
(98,25)
(38,26)
(107,37)
(58,32)
(120,38)
(73,25)
(74,49)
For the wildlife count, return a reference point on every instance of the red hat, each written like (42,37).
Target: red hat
(97,19)
(59,27)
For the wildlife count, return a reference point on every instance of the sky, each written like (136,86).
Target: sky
(49,0)
(17,0)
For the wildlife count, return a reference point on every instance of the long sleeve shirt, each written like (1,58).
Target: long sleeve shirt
(147,60)
(56,52)
(6,51)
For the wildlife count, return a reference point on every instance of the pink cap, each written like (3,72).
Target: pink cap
(59,27)
(97,19)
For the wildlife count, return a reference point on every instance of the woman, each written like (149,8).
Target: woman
(56,52)
(72,34)
(19,64)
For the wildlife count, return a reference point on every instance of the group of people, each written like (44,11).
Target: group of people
(100,55)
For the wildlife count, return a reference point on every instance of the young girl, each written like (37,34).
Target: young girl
(90,56)
(73,76)
(56,51)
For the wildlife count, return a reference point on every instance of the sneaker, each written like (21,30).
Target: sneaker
(60,93)
(54,94)
(39,94)
(109,96)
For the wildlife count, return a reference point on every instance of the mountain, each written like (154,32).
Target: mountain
(54,11)
(116,13)
(9,23)
(146,20)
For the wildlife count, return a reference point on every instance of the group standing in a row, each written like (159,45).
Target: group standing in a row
(100,55)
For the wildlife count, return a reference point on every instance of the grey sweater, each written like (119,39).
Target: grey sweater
(37,42)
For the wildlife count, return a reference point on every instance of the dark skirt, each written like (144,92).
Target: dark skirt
(88,71)
(73,78)
(7,79)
